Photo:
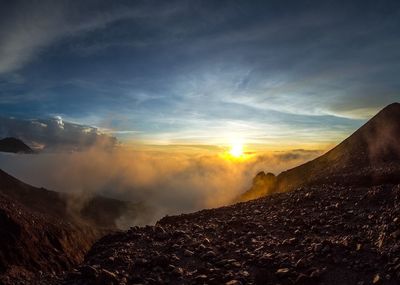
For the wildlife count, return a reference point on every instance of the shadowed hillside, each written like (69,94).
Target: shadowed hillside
(96,211)
(33,242)
(370,156)
(40,230)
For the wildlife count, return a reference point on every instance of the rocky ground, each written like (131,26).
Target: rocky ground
(315,235)
(35,247)
(14,145)
(42,235)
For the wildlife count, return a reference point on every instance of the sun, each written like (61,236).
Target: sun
(236,150)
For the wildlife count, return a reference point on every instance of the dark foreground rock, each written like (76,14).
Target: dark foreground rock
(35,247)
(315,235)
(44,233)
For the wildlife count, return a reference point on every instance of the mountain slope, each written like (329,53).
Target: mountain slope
(314,235)
(14,145)
(41,231)
(32,242)
(371,155)
(97,211)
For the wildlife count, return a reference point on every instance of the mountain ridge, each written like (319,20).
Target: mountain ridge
(370,155)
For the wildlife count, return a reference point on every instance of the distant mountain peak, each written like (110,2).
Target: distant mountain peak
(14,145)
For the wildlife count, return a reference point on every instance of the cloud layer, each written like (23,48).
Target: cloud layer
(168,182)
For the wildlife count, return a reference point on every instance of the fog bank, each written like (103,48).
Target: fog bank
(168,182)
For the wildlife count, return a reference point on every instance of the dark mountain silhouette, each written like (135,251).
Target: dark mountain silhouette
(42,230)
(14,145)
(370,156)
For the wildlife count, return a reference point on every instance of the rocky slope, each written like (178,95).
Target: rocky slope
(14,145)
(370,156)
(42,234)
(314,235)
(34,246)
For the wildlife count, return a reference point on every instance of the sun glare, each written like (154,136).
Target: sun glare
(236,150)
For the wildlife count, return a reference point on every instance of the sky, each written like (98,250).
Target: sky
(271,74)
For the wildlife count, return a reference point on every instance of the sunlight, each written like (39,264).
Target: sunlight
(236,150)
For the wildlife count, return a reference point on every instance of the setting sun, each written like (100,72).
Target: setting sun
(236,150)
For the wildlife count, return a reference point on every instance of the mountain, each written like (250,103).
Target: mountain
(36,234)
(315,235)
(370,156)
(14,145)
(340,224)
(44,231)
(33,243)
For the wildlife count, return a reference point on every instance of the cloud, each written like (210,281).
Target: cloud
(169,181)
(28,27)
(54,134)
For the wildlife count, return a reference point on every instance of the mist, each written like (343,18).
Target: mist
(168,182)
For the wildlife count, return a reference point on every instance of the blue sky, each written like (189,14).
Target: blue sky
(201,72)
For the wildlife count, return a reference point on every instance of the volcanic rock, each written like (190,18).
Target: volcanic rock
(254,249)
(370,156)
(41,236)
